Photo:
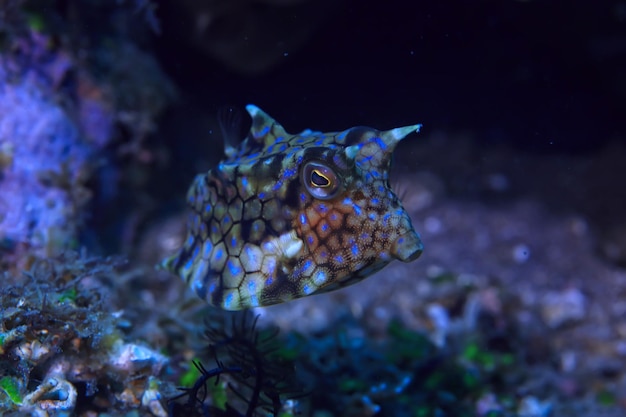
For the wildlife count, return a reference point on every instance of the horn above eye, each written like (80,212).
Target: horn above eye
(320,180)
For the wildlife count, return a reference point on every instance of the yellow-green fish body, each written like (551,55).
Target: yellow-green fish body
(286,216)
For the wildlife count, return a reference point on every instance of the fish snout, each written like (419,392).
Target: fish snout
(407,247)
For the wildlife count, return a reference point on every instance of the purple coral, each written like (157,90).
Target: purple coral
(44,163)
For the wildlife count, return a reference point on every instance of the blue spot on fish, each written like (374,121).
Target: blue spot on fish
(319,278)
(380,143)
(228,301)
(289,172)
(207,249)
(234,269)
(188,265)
(271,268)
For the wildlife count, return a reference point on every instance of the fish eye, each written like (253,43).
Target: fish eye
(320,180)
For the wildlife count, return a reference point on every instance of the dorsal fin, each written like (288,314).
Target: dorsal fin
(229,119)
(264,129)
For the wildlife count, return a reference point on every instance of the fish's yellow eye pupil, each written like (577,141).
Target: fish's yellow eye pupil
(318,179)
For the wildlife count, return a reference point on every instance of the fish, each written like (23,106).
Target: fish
(285,216)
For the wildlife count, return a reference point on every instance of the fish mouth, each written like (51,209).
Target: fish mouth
(407,247)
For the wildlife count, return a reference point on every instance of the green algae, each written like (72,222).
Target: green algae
(11,388)
(190,377)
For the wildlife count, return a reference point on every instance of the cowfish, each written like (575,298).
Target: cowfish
(286,216)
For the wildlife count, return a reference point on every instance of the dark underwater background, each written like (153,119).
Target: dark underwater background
(516,183)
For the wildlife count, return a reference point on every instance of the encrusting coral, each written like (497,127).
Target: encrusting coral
(62,346)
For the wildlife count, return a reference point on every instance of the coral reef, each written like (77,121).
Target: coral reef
(45,166)
(65,116)
(73,116)
(63,346)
